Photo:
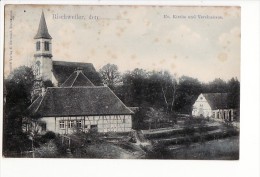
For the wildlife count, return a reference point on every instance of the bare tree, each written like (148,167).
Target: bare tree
(168,87)
(33,133)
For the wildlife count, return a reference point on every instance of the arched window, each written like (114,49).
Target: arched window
(46,46)
(38,68)
(38,45)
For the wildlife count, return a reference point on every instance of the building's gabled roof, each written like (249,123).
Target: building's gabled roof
(217,100)
(35,104)
(76,79)
(42,29)
(78,101)
(62,71)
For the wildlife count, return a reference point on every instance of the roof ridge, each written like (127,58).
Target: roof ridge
(78,87)
(215,93)
(74,78)
(216,100)
(33,102)
(66,80)
(61,61)
(120,100)
(85,77)
(41,100)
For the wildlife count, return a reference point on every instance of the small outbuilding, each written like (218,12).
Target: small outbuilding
(213,105)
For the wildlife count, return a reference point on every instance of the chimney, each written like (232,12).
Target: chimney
(79,70)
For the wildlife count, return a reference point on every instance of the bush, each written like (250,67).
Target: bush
(47,150)
(16,143)
(61,149)
(46,137)
(159,151)
(49,135)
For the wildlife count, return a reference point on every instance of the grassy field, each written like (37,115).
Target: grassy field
(224,146)
(222,149)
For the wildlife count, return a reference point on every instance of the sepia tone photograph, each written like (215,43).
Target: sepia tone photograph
(121,82)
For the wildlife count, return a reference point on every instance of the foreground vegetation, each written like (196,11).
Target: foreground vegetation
(194,139)
(220,149)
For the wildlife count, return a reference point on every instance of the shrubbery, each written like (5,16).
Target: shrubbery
(46,137)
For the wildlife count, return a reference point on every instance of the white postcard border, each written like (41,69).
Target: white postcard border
(248,165)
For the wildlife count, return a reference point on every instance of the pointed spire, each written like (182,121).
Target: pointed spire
(43,30)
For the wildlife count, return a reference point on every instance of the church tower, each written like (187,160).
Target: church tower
(42,56)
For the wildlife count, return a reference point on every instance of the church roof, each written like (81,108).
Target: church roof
(62,71)
(217,100)
(42,29)
(77,78)
(78,101)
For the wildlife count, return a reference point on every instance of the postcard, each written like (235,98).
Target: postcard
(121,82)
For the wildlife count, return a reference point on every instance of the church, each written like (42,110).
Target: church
(78,100)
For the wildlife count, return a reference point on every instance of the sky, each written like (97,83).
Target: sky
(172,38)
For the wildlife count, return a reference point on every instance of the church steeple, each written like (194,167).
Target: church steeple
(42,29)
(43,40)
(42,56)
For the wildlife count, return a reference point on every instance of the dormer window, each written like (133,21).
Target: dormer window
(46,46)
(38,45)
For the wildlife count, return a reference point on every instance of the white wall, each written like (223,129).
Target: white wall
(50,123)
(46,62)
(42,51)
(111,123)
(118,123)
(201,107)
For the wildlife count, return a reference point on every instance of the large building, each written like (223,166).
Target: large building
(79,101)
(213,105)
(46,69)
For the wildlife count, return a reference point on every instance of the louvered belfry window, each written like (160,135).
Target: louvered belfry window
(46,46)
(38,45)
